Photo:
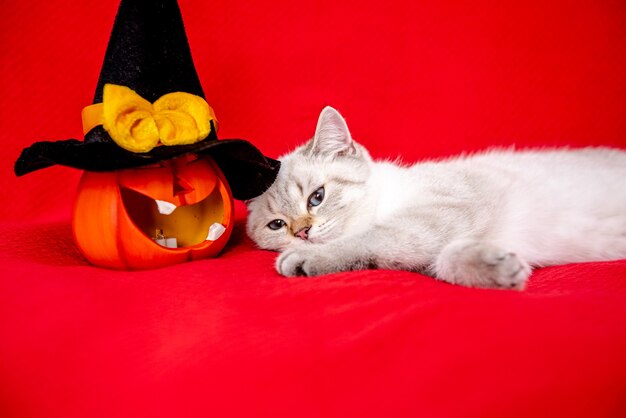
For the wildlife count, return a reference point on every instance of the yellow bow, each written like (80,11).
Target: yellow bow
(137,125)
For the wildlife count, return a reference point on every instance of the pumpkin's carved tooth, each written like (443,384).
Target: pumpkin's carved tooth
(215,231)
(165,208)
(167,242)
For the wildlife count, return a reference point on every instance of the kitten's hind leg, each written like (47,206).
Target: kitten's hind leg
(479,264)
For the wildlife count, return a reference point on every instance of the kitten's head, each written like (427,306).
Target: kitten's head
(317,192)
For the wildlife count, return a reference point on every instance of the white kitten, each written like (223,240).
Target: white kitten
(481,220)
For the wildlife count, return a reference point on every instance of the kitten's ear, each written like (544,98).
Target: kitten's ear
(332,136)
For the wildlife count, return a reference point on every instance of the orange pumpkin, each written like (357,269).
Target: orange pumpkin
(121,218)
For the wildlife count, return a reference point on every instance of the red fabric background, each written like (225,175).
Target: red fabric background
(228,336)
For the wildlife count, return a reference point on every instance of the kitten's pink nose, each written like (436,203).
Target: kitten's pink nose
(303,233)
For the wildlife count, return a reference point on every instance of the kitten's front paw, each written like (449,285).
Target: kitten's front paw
(300,262)
(478,264)
(506,269)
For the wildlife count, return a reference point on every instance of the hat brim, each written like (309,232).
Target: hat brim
(248,172)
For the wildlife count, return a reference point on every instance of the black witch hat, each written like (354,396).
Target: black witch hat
(148,52)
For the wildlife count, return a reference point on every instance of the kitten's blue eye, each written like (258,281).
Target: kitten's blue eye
(316,197)
(276,224)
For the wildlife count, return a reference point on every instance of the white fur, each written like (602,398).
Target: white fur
(477,220)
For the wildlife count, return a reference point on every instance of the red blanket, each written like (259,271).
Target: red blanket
(228,337)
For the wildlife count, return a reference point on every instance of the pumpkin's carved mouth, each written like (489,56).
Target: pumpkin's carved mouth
(175,226)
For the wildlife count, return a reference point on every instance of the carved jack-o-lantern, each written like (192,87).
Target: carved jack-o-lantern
(174,211)
(150,195)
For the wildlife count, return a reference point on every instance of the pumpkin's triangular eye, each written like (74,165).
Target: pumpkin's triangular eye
(181,186)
